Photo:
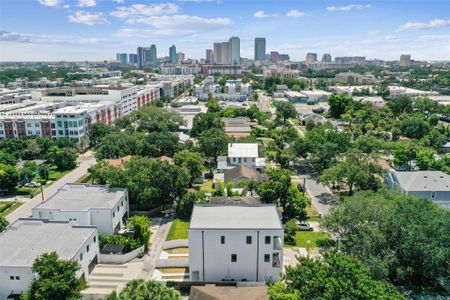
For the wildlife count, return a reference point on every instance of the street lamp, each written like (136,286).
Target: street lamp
(308,242)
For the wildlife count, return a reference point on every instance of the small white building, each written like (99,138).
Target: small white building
(26,239)
(235,243)
(241,154)
(86,204)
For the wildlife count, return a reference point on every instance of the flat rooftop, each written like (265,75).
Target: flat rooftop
(242,150)
(82,197)
(417,181)
(264,216)
(26,239)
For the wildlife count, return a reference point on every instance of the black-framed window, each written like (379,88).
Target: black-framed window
(233,257)
(267,239)
(222,239)
(266,257)
(248,239)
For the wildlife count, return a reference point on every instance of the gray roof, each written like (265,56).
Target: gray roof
(422,181)
(263,216)
(25,239)
(82,197)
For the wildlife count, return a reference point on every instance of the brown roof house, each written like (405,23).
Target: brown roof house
(241,173)
(237,127)
(213,292)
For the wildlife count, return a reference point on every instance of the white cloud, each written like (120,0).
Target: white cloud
(50,2)
(87,3)
(142,10)
(182,22)
(434,37)
(119,1)
(66,6)
(295,13)
(260,14)
(88,18)
(349,7)
(436,23)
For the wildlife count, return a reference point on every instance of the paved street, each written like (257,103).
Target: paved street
(24,211)
(264,103)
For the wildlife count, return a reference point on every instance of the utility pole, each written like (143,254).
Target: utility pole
(42,193)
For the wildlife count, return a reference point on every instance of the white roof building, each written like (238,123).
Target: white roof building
(243,150)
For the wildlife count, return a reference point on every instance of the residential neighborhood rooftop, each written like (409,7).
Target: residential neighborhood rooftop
(423,180)
(242,150)
(26,239)
(264,216)
(82,197)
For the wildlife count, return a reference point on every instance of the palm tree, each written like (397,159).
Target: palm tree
(138,289)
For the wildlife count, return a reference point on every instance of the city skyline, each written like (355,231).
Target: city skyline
(97,30)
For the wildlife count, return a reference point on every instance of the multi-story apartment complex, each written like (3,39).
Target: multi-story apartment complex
(234,90)
(326,58)
(171,85)
(233,70)
(86,204)
(26,239)
(405,59)
(235,243)
(70,112)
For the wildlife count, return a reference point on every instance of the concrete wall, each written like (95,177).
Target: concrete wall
(175,244)
(16,286)
(206,252)
(120,258)
(172,263)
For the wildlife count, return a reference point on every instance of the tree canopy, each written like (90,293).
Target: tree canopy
(145,290)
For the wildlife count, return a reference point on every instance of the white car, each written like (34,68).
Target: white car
(303,226)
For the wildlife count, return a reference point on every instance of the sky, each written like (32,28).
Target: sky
(77,30)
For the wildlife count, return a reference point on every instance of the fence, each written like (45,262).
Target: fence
(120,258)
(175,244)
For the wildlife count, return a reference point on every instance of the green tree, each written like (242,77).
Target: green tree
(414,127)
(378,228)
(3,223)
(336,276)
(425,158)
(56,279)
(285,111)
(98,132)
(141,227)
(339,104)
(212,143)
(205,121)
(213,105)
(63,158)
(145,290)
(186,204)
(8,177)
(7,158)
(276,188)
(192,162)
(400,105)
(290,230)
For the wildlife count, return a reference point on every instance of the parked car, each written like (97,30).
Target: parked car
(319,110)
(32,184)
(303,226)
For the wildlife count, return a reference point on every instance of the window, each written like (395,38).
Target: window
(267,239)
(248,239)
(11,277)
(36,124)
(114,214)
(266,257)
(95,239)
(222,239)
(121,203)
(28,124)
(17,277)
(118,208)
(245,159)
(87,248)
(433,195)
(81,256)
(233,257)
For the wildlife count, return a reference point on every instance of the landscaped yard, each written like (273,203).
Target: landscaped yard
(302,236)
(8,207)
(207,186)
(312,214)
(178,230)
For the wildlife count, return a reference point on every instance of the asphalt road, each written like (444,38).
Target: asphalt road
(85,161)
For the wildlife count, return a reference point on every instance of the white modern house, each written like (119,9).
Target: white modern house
(86,204)
(235,243)
(434,185)
(26,239)
(241,154)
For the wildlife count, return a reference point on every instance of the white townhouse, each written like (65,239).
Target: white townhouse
(241,154)
(235,243)
(26,239)
(86,204)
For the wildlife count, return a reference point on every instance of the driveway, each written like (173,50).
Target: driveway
(85,161)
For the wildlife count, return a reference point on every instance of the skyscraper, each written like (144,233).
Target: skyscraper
(405,59)
(209,56)
(274,56)
(260,49)
(235,50)
(133,59)
(226,58)
(173,54)
(326,58)
(140,57)
(153,56)
(311,58)
(147,54)
(122,58)
(217,53)
(180,57)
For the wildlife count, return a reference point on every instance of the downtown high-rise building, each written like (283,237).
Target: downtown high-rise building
(217,53)
(235,50)
(260,49)
(180,57)
(153,54)
(122,58)
(405,59)
(226,53)
(140,56)
(147,55)
(311,58)
(132,59)
(209,56)
(173,54)
(326,58)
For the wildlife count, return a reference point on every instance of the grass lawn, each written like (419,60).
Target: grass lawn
(8,207)
(312,214)
(302,236)
(207,186)
(178,230)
